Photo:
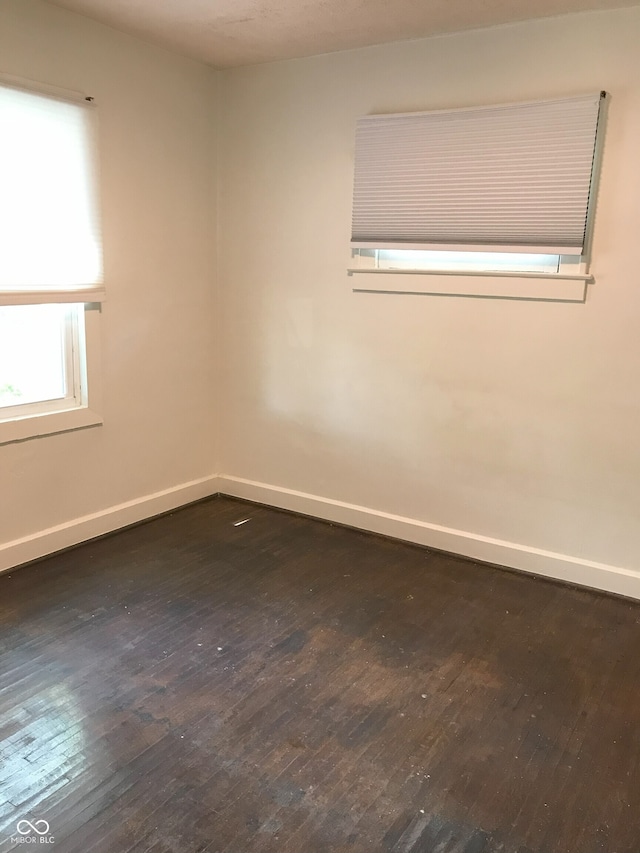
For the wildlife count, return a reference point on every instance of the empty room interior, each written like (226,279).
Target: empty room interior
(319,420)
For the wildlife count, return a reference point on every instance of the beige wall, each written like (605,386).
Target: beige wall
(158,126)
(502,420)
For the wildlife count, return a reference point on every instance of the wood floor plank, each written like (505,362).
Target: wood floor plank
(290,686)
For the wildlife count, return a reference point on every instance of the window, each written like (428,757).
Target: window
(497,191)
(50,262)
(490,262)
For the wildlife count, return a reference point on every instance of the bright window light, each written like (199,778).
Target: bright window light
(37,361)
(417,259)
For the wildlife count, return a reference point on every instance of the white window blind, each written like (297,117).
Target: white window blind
(50,242)
(511,178)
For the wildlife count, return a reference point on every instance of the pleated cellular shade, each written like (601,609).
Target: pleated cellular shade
(50,240)
(515,177)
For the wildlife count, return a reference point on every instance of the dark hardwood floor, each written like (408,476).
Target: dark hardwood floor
(293,687)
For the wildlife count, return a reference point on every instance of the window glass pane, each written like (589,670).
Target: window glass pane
(418,259)
(32,353)
(486,261)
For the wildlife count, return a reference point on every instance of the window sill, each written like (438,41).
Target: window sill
(556,287)
(49,423)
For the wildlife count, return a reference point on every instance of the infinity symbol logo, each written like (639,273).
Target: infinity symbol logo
(40,826)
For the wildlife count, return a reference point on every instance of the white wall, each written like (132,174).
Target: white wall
(502,429)
(158,131)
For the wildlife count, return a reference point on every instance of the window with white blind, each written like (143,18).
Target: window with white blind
(498,191)
(50,262)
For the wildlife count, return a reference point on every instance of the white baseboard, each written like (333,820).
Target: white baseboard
(574,570)
(88,526)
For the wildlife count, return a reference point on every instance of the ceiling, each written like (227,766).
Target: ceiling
(228,33)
